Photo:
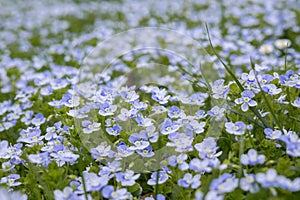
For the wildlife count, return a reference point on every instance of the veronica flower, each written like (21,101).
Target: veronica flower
(129,96)
(144,122)
(200,166)
(179,160)
(216,112)
(63,156)
(127,178)
(110,193)
(160,95)
(151,133)
(30,135)
(46,91)
(246,100)
(296,103)
(158,197)
(162,178)
(107,109)
(94,182)
(248,183)
(175,112)
(272,134)
(208,148)
(127,114)
(252,158)
(237,128)
(9,195)
(139,105)
(124,150)
(89,127)
(196,126)
(224,184)
(139,141)
(58,84)
(267,179)
(101,151)
(146,152)
(38,119)
(10,180)
(68,194)
(271,89)
(189,180)
(115,130)
(219,89)
(168,126)
(41,158)
(27,117)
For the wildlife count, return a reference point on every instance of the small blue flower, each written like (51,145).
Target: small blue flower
(139,141)
(216,112)
(123,150)
(175,112)
(160,95)
(107,109)
(208,148)
(168,126)
(110,193)
(162,178)
(89,127)
(200,166)
(296,103)
(219,89)
(146,152)
(94,182)
(267,179)
(30,135)
(271,89)
(179,160)
(10,180)
(248,183)
(115,130)
(189,180)
(127,178)
(252,158)
(224,184)
(246,100)
(101,151)
(158,197)
(237,128)
(144,122)
(41,158)
(272,134)
(129,96)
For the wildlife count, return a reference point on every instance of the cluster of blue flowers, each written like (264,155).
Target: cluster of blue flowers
(172,132)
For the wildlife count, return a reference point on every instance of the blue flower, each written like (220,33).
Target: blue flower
(200,166)
(115,130)
(237,128)
(123,150)
(272,134)
(68,194)
(41,158)
(89,127)
(208,148)
(224,184)
(267,179)
(296,103)
(160,95)
(246,100)
(248,183)
(179,160)
(30,135)
(110,193)
(127,178)
(107,109)
(162,178)
(8,195)
(144,122)
(219,90)
(129,96)
(292,143)
(196,126)
(139,141)
(101,151)
(175,112)
(216,112)
(168,126)
(94,182)
(11,180)
(189,180)
(146,152)
(158,197)
(271,89)
(252,158)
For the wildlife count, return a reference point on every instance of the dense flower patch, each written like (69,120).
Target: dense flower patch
(86,113)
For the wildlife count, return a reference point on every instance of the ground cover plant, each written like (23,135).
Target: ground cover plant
(191,99)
